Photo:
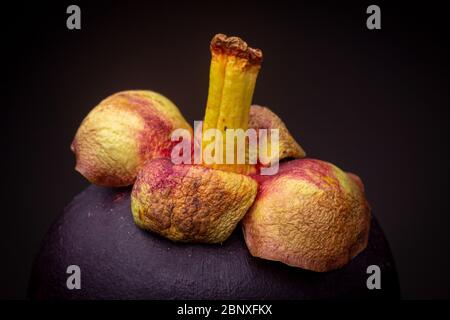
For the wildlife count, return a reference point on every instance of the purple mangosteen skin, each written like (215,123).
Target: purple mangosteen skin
(120,261)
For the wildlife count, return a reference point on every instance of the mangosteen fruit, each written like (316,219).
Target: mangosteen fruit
(118,260)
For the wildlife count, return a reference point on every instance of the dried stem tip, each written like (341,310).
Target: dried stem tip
(221,44)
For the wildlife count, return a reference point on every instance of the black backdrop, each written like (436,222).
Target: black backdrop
(372,102)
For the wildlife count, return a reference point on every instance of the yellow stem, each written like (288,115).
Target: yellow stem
(232,79)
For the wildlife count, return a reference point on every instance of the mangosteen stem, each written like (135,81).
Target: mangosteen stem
(232,79)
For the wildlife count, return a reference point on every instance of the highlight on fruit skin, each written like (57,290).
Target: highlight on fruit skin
(121,133)
(190,203)
(310,215)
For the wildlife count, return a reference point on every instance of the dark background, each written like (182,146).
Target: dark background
(372,102)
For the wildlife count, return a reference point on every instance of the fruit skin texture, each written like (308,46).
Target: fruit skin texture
(310,215)
(190,203)
(121,133)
